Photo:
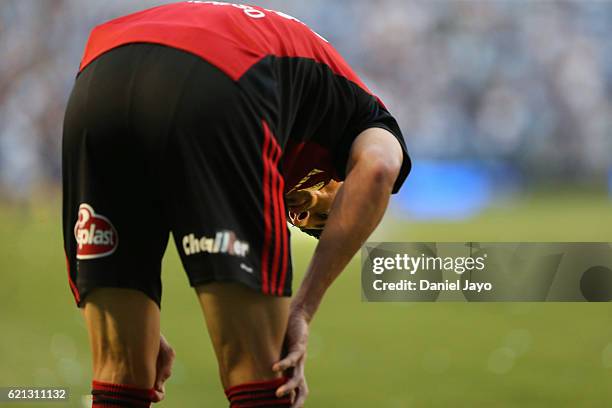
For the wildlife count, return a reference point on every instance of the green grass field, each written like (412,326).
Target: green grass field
(361,354)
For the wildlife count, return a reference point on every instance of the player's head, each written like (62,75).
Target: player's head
(309,209)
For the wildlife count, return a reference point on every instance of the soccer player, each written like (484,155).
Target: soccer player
(214,122)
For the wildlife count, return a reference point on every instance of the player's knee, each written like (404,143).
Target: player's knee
(120,363)
(238,365)
(125,368)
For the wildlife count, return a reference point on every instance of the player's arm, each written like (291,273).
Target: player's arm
(374,163)
(375,160)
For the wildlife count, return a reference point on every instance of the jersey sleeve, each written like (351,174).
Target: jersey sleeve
(368,113)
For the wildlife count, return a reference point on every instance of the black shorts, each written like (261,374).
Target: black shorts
(157,140)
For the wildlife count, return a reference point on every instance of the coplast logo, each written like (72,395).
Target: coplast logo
(95,234)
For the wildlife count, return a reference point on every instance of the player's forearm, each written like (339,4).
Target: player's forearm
(358,208)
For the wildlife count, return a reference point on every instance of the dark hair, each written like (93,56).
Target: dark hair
(312,232)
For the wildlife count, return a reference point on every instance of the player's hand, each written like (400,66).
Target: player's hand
(165,358)
(293,364)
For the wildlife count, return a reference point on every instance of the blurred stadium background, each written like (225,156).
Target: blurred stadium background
(507,109)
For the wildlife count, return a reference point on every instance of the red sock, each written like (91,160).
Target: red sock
(261,394)
(107,395)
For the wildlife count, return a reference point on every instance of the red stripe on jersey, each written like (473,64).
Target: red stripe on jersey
(278,216)
(274,260)
(73,287)
(228,36)
(284,238)
(266,207)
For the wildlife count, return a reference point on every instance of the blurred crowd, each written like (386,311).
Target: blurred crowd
(526,82)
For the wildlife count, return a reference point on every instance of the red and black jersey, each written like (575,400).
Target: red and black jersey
(314,102)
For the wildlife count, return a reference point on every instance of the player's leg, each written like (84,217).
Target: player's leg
(124,334)
(123,326)
(237,256)
(115,231)
(230,229)
(246,328)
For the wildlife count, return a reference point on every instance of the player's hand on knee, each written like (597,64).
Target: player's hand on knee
(165,358)
(293,363)
(301,392)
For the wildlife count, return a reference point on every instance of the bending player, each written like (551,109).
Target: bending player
(205,120)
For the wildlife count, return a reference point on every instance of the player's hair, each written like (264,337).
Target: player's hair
(312,232)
